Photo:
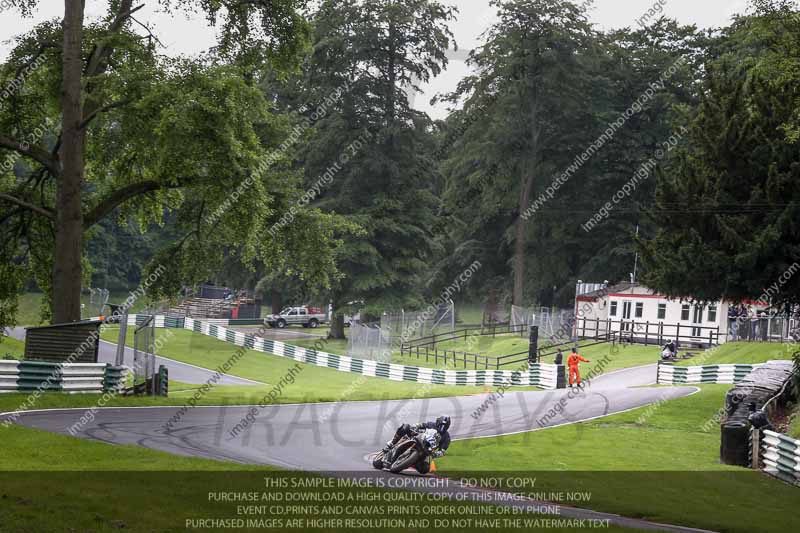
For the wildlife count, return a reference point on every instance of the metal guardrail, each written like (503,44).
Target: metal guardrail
(724,374)
(779,455)
(543,375)
(29,376)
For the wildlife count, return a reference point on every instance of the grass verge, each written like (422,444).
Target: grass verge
(312,383)
(740,353)
(660,457)
(11,348)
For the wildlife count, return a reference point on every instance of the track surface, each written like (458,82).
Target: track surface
(183,372)
(338,437)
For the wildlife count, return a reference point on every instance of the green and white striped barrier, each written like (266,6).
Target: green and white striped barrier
(28,376)
(678,375)
(780,455)
(536,375)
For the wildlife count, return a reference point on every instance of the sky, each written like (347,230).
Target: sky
(191,34)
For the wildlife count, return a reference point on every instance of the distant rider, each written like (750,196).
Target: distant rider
(441,425)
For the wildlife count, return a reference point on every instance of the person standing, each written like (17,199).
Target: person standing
(573,361)
(559,358)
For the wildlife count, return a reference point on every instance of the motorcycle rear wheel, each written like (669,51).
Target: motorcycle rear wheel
(410,457)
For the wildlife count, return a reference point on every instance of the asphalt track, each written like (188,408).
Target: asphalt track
(337,438)
(183,372)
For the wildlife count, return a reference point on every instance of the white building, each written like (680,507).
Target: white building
(634,310)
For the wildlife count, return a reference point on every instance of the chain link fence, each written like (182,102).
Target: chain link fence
(407,326)
(369,342)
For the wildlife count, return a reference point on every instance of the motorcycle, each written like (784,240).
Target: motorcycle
(407,452)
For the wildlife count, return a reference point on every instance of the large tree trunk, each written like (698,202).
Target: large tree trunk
(69,220)
(520,242)
(337,326)
(337,320)
(276,302)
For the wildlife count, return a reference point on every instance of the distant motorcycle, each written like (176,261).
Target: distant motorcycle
(407,452)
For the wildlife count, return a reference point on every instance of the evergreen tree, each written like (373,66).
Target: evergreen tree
(728,206)
(372,144)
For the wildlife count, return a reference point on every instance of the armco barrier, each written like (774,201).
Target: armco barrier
(678,375)
(28,376)
(780,456)
(538,375)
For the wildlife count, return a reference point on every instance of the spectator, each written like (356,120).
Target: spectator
(559,357)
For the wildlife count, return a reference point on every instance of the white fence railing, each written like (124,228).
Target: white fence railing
(780,456)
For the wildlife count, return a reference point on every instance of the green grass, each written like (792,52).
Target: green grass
(84,485)
(312,384)
(668,437)
(469,313)
(11,347)
(659,463)
(741,353)
(29,310)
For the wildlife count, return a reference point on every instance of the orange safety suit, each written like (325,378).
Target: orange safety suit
(574,374)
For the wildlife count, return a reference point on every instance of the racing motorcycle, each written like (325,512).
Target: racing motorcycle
(407,452)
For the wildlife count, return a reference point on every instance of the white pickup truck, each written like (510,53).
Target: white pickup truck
(308,317)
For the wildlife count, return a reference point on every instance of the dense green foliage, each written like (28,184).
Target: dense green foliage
(368,150)
(728,204)
(192,143)
(289,158)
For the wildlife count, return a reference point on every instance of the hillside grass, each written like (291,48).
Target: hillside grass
(740,353)
(30,303)
(53,482)
(10,347)
(312,383)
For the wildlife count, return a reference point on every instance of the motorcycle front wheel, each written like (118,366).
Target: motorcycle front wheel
(408,458)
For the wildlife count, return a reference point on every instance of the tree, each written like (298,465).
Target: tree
(376,143)
(534,79)
(728,204)
(596,85)
(142,135)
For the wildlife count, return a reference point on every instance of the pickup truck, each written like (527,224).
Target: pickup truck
(308,317)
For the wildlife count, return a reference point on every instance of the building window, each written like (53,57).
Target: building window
(639,309)
(712,313)
(662,311)
(613,311)
(685,312)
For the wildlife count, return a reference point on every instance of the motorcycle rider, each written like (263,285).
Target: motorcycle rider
(441,425)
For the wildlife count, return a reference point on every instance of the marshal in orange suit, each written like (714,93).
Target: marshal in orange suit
(572,362)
